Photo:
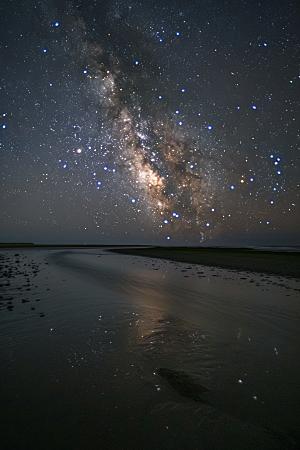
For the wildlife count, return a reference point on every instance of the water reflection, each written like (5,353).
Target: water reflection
(90,366)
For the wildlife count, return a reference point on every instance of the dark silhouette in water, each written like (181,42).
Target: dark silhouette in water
(183,384)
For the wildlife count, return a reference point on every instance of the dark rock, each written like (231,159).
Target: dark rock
(184,384)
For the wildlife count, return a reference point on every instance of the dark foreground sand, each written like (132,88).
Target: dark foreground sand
(270,262)
(101,350)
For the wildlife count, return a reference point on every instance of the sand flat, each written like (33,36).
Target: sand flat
(270,262)
(84,333)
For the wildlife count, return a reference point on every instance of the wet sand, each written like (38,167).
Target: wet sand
(111,351)
(280,263)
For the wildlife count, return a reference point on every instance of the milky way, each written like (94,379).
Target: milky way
(168,173)
(166,122)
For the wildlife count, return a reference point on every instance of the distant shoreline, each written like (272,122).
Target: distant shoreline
(32,245)
(271,262)
(280,263)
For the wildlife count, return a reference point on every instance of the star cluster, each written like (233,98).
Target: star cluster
(150,122)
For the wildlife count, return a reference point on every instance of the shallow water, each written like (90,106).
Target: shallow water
(80,370)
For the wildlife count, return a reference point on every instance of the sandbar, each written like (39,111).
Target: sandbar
(280,263)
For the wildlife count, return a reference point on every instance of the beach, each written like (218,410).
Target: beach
(118,351)
(280,263)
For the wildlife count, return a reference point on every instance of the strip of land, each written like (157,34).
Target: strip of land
(32,245)
(285,264)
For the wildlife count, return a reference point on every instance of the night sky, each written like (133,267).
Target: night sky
(150,122)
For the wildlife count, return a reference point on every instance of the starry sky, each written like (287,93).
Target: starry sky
(155,122)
